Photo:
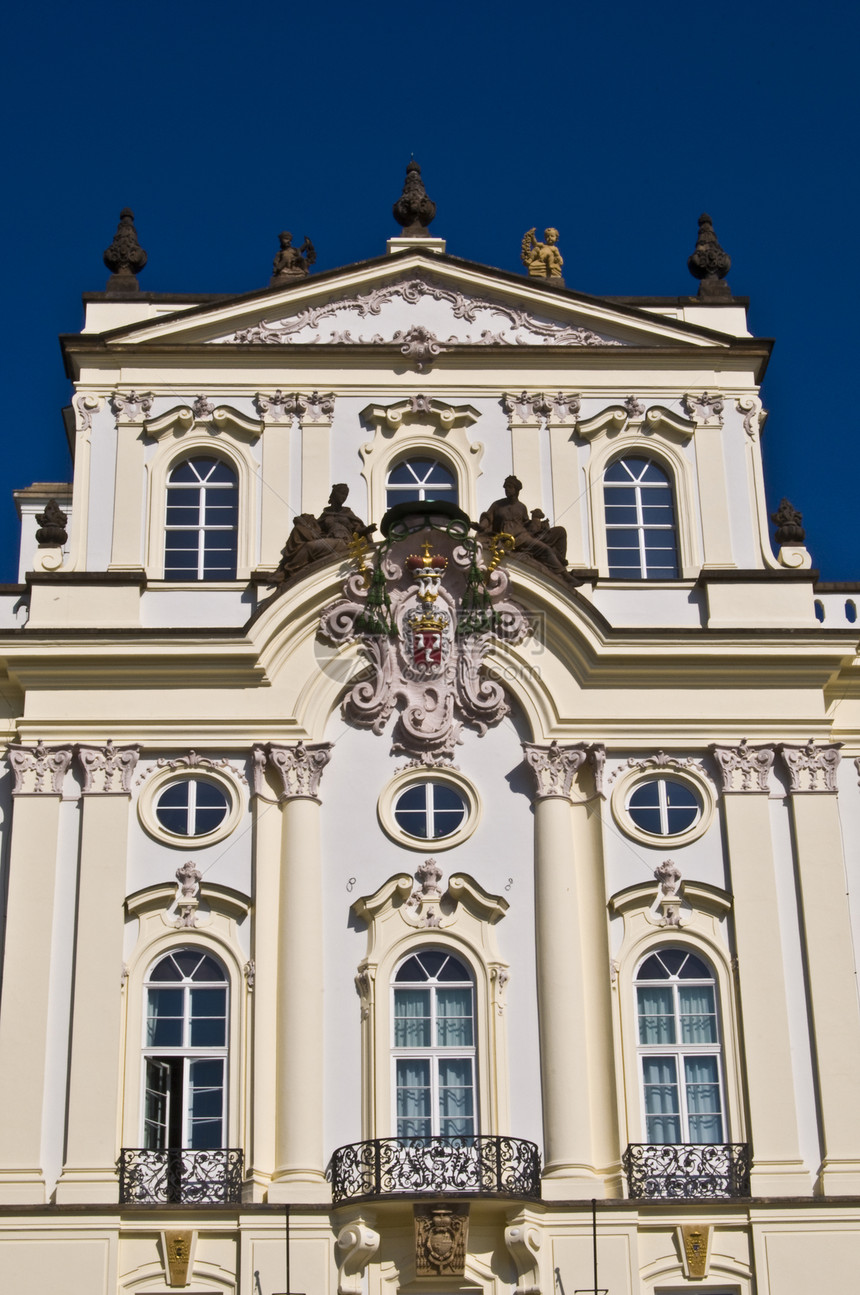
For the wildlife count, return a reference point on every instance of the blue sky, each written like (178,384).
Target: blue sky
(619,123)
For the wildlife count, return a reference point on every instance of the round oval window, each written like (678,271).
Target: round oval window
(429,810)
(664,807)
(192,807)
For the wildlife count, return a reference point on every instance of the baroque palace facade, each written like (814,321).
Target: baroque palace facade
(431,802)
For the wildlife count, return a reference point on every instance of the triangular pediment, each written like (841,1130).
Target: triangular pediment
(421,300)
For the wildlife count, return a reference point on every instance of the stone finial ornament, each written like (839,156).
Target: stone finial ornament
(542,260)
(291,262)
(125,257)
(413,209)
(52,531)
(789,524)
(709,263)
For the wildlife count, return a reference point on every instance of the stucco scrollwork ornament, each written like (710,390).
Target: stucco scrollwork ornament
(528,405)
(660,760)
(423,907)
(424,624)
(542,260)
(704,408)
(512,326)
(754,415)
(419,345)
(635,408)
(202,407)
(744,767)
(299,768)
(523,1238)
(132,405)
(356,1245)
(810,767)
(250,970)
(555,766)
(189,878)
(441,1240)
(192,760)
(272,406)
(111,766)
(39,769)
(85,404)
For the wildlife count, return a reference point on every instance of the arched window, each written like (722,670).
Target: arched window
(201,523)
(434,1047)
(418,479)
(185,1053)
(641,538)
(679,1049)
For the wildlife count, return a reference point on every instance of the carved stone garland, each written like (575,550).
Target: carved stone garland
(425,642)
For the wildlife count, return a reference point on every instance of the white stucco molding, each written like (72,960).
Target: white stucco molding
(744,768)
(810,768)
(470,915)
(415,426)
(222,418)
(357,1242)
(555,766)
(524,1239)
(662,435)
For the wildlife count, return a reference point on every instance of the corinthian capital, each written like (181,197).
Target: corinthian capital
(555,767)
(744,768)
(107,769)
(299,767)
(36,766)
(810,767)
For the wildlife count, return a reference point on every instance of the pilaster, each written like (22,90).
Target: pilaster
(706,412)
(777,1168)
(524,419)
(831,971)
(24,1011)
(573,1081)
(299,1154)
(316,415)
(276,519)
(128,496)
(89,1173)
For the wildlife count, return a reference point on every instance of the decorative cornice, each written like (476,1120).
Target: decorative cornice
(111,762)
(412,291)
(810,767)
(299,767)
(392,416)
(32,765)
(555,766)
(751,764)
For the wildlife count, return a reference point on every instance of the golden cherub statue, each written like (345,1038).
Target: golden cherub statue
(542,260)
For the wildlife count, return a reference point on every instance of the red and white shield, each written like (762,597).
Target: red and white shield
(426,647)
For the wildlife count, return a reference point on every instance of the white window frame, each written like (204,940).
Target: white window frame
(199,489)
(434,1053)
(450,494)
(679,1051)
(185,1052)
(643,529)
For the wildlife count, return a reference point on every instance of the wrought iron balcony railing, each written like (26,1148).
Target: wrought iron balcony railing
(175,1176)
(695,1171)
(382,1167)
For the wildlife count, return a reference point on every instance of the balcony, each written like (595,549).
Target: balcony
(487,1166)
(691,1172)
(177,1177)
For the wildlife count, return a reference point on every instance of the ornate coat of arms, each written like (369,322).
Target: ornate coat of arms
(425,617)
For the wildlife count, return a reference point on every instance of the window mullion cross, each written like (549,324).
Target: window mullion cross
(640,530)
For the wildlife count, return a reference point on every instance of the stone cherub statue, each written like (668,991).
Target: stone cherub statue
(542,260)
(327,536)
(533,536)
(292,262)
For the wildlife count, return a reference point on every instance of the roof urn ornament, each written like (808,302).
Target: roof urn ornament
(789,524)
(543,260)
(291,262)
(52,526)
(413,209)
(125,257)
(709,263)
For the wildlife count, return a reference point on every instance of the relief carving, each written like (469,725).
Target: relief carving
(33,765)
(299,767)
(441,1240)
(555,766)
(810,767)
(114,766)
(744,767)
